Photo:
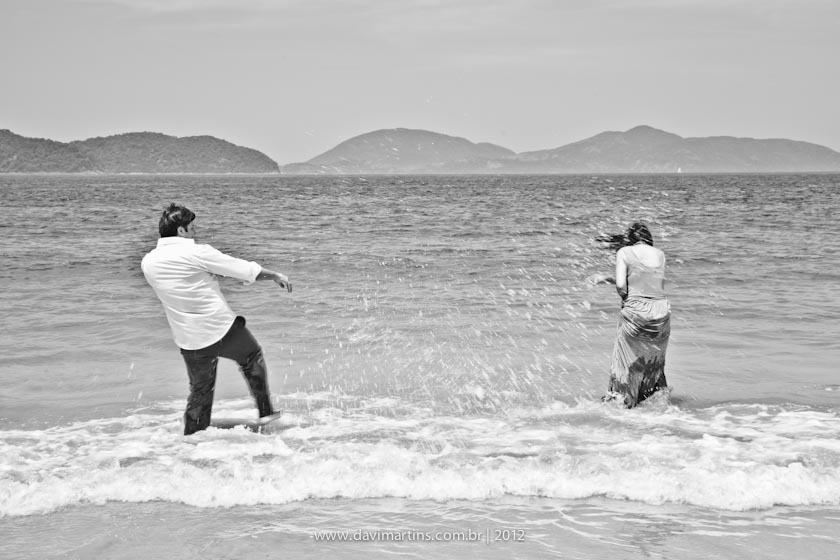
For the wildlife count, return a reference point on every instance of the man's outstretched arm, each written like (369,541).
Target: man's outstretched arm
(247,271)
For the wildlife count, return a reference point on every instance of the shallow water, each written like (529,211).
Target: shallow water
(439,362)
(507,528)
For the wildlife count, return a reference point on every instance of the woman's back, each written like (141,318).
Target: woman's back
(645,270)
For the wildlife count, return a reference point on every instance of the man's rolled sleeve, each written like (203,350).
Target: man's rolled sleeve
(224,265)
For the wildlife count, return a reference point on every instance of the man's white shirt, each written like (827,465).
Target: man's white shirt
(184,275)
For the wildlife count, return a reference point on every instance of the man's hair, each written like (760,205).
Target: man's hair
(174,217)
(639,232)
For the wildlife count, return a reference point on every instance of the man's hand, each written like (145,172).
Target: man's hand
(280,279)
(283,281)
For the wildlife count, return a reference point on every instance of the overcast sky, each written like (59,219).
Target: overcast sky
(293,78)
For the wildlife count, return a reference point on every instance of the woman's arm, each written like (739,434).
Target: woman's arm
(621,274)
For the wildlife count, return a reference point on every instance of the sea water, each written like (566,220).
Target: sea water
(439,366)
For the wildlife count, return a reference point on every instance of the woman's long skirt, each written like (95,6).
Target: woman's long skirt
(637,369)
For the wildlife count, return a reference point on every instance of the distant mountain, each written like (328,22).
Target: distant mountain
(401,150)
(647,150)
(34,155)
(136,152)
(642,149)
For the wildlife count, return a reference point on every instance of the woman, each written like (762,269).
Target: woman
(637,369)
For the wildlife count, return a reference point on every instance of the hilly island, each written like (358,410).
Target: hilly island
(642,149)
(136,152)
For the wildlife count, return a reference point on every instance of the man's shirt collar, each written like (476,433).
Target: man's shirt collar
(164,241)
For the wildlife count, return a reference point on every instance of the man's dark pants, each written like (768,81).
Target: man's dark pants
(238,345)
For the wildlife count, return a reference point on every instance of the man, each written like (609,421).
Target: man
(184,275)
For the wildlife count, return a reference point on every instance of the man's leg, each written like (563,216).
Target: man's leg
(201,369)
(241,346)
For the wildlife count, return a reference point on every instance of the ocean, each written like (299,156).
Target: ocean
(439,365)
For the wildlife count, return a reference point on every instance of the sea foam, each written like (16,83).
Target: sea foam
(727,457)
